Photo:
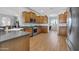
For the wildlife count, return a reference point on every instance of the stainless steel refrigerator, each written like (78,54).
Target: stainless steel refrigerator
(73,29)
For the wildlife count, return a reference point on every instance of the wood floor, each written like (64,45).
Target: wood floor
(48,42)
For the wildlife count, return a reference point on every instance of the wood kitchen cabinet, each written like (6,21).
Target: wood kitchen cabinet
(42,19)
(32,15)
(38,19)
(63,31)
(45,19)
(44,29)
(16,44)
(28,30)
(27,16)
(62,18)
(63,24)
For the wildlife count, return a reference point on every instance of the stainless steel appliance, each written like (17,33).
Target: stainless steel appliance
(34,30)
(73,29)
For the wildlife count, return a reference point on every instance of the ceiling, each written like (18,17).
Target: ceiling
(49,11)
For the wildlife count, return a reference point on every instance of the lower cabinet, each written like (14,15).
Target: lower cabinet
(63,31)
(28,30)
(44,29)
(16,44)
(40,29)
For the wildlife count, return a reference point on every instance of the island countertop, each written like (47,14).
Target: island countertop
(4,36)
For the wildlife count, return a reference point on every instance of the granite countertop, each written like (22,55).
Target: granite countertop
(11,35)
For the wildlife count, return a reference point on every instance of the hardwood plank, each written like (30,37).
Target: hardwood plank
(48,42)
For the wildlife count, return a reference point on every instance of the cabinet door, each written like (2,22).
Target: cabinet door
(37,19)
(62,18)
(28,30)
(41,19)
(32,15)
(26,17)
(63,31)
(44,29)
(45,19)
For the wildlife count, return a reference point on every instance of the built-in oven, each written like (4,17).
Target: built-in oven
(35,30)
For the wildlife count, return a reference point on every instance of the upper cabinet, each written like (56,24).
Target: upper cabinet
(42,19)
(31,17)
(63,18)
(25,16)
(37,19)
(45,19)
(28,16)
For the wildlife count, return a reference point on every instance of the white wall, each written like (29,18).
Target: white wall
(54,26)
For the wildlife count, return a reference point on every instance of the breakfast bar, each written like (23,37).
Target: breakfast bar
(14,41)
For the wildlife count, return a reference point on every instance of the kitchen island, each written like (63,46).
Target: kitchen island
(14,41)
